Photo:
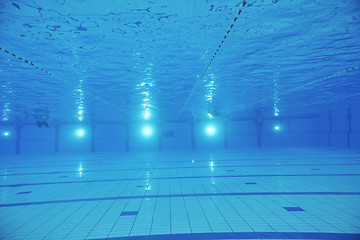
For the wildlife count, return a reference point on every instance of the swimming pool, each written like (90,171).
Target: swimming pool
(179,119)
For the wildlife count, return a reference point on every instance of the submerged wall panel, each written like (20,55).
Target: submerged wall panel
(110,138)
(37,140)
(341,130)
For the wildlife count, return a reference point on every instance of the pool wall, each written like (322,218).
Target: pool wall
(324,129)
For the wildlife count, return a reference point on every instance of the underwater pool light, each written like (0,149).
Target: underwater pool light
(147,131)
(276,127)
(6,133)
(210,130)
(80,132)
(210,115)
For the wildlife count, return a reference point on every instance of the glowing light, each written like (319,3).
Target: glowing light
(277,128)
(210,86)
(6,134)
(211,164)
(192,161)
(210,115)
(79,91)
(147,114)
(276,92)
(80,132)
(80,170)
(210,130)
(147,131)
(145,87)
(7,91)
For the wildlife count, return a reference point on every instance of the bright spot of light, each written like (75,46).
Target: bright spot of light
(80,132)
(147,131)
(211,164)
(210,130)
(210,115)
(276,128)
(6,134)
(147,114)
(80,170)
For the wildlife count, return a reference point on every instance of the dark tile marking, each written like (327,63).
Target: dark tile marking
(243,235)
(230,170)
(63,176)
(24,192)
(294,209)
(315,169)
(191,177)
(179,195)
(129,213)
(250,183)
(140,186)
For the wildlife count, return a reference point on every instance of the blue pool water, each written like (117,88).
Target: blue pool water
(174,119)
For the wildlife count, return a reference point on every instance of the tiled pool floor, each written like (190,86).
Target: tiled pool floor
(265,194)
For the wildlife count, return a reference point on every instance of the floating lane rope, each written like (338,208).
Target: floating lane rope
(24,60)
(336,74)
(308,84)
(58,78)
(212,58)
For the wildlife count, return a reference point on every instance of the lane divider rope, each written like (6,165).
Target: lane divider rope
(243,4)
(304,86)
(58,78)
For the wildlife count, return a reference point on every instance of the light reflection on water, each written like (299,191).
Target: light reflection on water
(145,88)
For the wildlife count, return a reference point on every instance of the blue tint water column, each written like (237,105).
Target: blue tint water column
(57,136)
(160,129)
(127,136)
(18,127)
(349,117)
(226,133)
(93,126)
(258,120)
(330,127)
(192,133)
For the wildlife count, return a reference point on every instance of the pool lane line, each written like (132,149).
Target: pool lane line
(186,167)
(116,162)
(180,196)
(182,177)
